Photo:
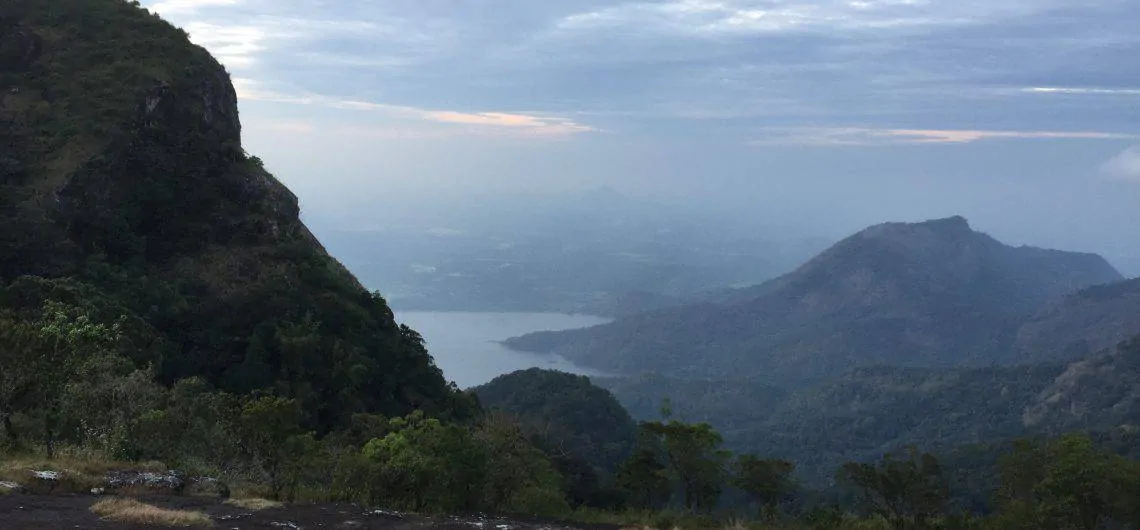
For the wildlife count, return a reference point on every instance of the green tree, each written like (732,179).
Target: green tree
(42,357)
(644,479)
(906,489)
(19,348)
(695,460)
(767,482)
(426,465)
(271,437)
(1069,484)
(105,402)
(520,479)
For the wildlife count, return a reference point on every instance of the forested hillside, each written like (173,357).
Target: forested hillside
(567,412)
(932,294)
(1091,320)
(127,199)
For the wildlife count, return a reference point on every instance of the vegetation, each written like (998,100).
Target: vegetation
(565,413)
(134,512)
(162,305)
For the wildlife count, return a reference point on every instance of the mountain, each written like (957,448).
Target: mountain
(1092,320)
(930,294)
(573,417)
(1101,390)
(869,411)
(125,192)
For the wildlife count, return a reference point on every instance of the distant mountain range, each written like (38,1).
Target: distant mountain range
(930,294)
(597,252)
(928,333)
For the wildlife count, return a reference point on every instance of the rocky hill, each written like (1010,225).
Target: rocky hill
(931,294)
(124,189)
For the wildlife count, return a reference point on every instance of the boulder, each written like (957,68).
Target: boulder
(147,482)
(44,482)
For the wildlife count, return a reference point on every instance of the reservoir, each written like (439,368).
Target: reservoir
(466,345)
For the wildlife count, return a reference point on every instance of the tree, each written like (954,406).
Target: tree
(644,479)
(767,482)
(520,478)
(695,460)
(41,357)
(19,344)
(426,465)
(1067,483)
(907,489)
(270,435)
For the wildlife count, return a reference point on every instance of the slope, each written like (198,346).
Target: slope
(931,294)
(124,188)
(1094,319)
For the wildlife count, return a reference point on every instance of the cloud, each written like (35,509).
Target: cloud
(1084,90)
(839,136)
(174,7)
(769,16)
(234,46)
(543,126)
(1124,166)
(478,122)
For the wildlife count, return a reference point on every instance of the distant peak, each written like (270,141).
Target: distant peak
(949,226)
(956,222)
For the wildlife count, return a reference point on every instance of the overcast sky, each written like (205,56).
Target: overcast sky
(1022,115)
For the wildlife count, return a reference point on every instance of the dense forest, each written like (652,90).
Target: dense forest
(162,306)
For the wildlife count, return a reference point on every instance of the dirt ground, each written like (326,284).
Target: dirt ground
(31,512)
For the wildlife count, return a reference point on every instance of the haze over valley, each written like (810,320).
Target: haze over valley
(570,264)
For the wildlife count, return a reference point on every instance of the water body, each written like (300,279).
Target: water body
(466,345)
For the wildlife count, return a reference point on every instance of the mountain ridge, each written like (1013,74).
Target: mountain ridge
(934,294)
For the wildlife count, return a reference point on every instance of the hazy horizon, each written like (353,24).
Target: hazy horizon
(821,117)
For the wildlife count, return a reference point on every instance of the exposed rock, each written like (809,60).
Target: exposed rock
(171,482)
(10,487)
(44,482)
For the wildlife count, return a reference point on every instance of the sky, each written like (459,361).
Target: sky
(1022,115)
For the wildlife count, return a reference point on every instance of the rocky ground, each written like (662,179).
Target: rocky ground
(55,512)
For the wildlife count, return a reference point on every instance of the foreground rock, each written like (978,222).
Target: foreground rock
(34,512)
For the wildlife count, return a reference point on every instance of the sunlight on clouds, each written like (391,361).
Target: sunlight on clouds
(840,136)
(234,46)
(533,124)
(521,124)
(1084,90)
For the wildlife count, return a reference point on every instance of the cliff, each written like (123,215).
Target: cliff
(124,187)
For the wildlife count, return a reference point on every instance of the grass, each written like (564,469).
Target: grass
(254,504)
(131,511)
(79,472)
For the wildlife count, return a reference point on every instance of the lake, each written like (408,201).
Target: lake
(465,345)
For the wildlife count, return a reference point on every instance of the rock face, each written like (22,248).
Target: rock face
(123,182)
(932,294)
